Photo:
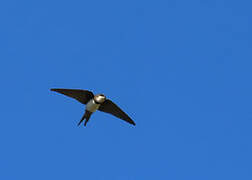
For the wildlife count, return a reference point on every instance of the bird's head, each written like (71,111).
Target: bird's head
(99,98)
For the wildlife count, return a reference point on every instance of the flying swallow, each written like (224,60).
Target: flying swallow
(93,103)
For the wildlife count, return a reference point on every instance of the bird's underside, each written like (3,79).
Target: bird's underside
(85,97)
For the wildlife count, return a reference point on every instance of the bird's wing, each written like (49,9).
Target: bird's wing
(83,96)
(109,107)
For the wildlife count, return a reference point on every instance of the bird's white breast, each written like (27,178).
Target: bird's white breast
(92,106)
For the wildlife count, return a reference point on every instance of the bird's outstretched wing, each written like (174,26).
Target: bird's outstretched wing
(109,107)
(83,96)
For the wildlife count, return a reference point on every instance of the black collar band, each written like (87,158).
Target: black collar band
(96,102)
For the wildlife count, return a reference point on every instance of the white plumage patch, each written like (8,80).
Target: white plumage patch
(92,106)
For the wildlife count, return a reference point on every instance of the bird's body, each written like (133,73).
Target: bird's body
(93,103)
(92,106)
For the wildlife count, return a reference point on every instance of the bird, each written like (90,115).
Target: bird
(93,103)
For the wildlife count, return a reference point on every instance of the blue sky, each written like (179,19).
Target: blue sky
(181,69)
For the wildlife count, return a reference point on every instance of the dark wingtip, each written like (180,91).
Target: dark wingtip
(55,89)
(133,123)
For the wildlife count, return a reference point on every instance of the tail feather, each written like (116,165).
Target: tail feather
(83,117)
(86,116)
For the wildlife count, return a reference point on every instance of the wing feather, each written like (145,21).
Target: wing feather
(109,107)
(83,96)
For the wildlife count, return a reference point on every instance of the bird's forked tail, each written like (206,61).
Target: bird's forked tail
(85,116)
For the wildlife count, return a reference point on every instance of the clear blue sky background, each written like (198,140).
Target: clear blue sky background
(181,69)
